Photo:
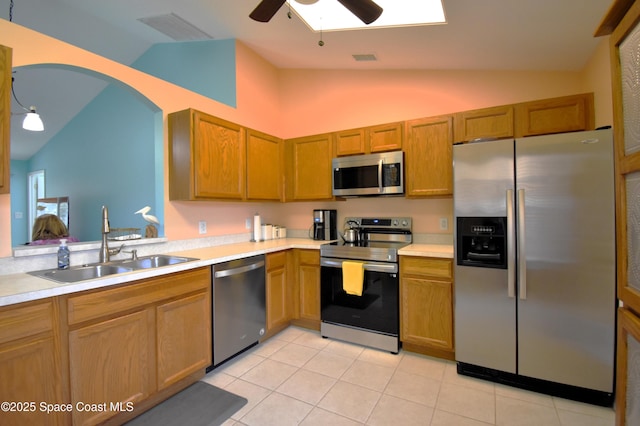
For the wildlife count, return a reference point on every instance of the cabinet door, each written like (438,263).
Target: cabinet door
(218,158)
(429,157)
(309,292)
(111,361)
(277,300)
(5,117)
(309,168)
(264,166)
(385,137)
(495,122)
(427,313)
(350,142)
(557,115)
(278,294)
(183,341)
(28,373)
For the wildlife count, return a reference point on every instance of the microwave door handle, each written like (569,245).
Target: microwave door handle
(380,187)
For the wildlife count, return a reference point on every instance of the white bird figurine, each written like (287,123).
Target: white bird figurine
(148,217)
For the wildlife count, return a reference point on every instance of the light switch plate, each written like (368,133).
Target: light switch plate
(202,227)
(444,223)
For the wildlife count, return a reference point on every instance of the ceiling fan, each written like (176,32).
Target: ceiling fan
(366,10)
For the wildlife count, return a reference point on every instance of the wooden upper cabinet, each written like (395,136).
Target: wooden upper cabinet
(495,122)
(308,171)
(350,142)
(429,157)
(557,115)
(385,137)
(207,157)
(5,117)
(265,174)
(366,140)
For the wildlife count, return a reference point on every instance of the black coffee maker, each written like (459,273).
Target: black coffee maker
(325,225)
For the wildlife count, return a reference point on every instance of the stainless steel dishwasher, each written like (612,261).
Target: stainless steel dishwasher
(239,315)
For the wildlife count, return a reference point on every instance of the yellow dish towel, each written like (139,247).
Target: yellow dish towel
(352,277)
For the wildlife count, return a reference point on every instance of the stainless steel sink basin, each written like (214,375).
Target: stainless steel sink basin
(81,273)
(155,261)
(98,270)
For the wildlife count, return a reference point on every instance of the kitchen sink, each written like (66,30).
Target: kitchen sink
(155,261)
(98,270)
(80,273)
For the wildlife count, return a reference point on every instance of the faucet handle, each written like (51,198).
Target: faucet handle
(134,253)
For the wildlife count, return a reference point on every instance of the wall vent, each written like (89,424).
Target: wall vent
(175,27)
(366,57)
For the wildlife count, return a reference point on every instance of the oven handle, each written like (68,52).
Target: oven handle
(389,268)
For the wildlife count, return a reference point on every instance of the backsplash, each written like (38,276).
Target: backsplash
(27,259)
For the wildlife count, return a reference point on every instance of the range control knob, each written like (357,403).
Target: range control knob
(395,222)
(405,223)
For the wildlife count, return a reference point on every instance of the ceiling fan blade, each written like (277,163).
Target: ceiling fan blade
(265,10)
(366,10)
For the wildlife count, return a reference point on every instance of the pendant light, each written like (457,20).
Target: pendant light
(32,120)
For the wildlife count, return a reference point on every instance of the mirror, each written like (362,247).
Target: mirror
(102,145)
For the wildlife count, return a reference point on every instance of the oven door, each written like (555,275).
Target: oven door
(375,310)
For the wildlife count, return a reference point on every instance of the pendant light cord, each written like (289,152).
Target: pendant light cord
(16,98)
(10,10)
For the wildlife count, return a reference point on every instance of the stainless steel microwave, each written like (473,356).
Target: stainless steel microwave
(372,174)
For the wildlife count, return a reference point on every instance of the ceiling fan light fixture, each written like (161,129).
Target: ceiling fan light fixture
(32,121)
(306,1)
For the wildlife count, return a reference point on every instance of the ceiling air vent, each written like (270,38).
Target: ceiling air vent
(175,27)
(367,57)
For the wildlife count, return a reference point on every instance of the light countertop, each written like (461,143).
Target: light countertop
(23,287)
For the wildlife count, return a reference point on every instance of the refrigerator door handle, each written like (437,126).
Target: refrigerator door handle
(511,252)
(522,258)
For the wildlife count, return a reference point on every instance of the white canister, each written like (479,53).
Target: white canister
(283,232)
(274,232)
(267,230)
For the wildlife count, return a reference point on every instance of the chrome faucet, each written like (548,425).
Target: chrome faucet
(104,248)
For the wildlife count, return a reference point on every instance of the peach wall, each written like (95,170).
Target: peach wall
(597,79)
(289,103)
(257,108)
(316,101)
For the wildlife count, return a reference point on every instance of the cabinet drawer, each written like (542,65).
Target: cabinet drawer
(437,268)
(309,257)
(109,302)
(276,260)
(26,320)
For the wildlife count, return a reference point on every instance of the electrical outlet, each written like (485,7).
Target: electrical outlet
(248,223)
(444,223)
(202,227)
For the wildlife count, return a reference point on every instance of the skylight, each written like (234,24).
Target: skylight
(330,15)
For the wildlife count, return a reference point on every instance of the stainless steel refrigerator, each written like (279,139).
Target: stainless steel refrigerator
(535,298)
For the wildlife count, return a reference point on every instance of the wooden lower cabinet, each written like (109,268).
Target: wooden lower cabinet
(111,361)
(181,323)
(308,277)
(426,305)
(30,364)
(278,291)
(128,344)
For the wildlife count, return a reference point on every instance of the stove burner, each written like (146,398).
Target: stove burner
(380,240)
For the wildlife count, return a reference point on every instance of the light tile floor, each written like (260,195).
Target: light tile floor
(297,377)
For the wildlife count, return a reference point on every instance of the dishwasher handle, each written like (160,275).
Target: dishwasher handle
(239,270)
